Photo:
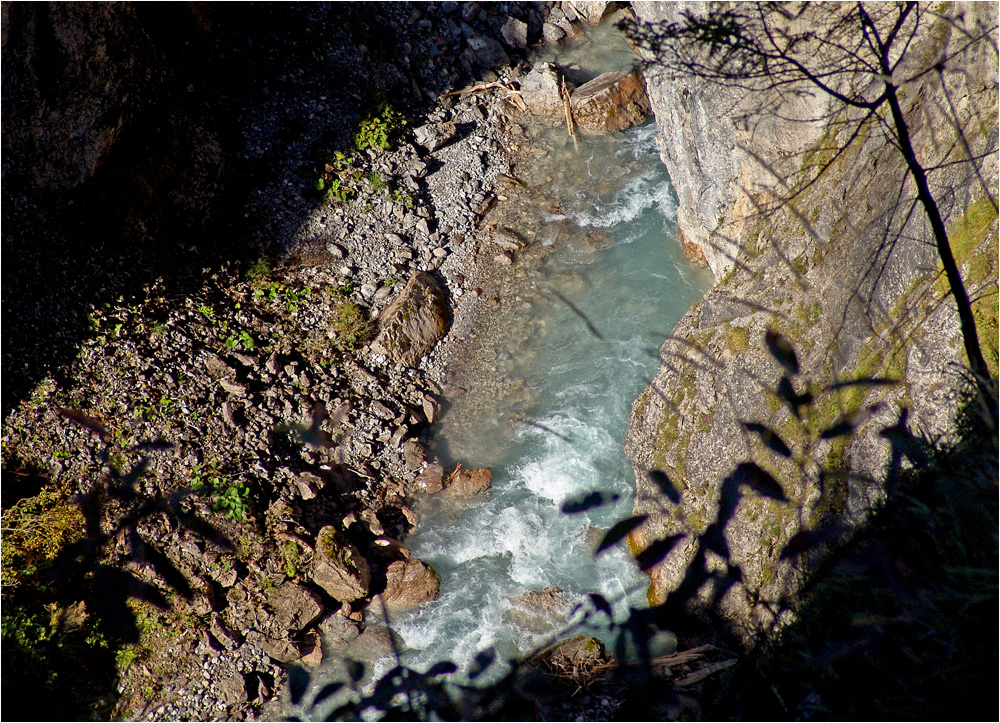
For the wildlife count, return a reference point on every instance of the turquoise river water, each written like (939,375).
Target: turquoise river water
(616,259)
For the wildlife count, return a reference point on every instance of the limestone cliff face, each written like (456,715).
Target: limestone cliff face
(704,126)
(855,293)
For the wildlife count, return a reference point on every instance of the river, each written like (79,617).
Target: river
(574,351)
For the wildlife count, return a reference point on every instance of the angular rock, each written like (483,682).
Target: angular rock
(429,407)
(552,33)
(488,52)
(414,322)
(231,690)
(508,239)
(593,11)
(410,584)
(295,607)
(339,568)
(463,482)
(338,630)
(414,454)
(372,644)
(312,650)
(515,33)
(280,651)
(611,101)
(540,90)
(431,480)
(434,136)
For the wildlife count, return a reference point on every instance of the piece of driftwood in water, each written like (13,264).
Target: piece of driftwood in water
(568,110)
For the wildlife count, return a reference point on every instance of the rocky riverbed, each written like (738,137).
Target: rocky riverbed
(246,449)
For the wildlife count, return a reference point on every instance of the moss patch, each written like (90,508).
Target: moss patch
(737,339)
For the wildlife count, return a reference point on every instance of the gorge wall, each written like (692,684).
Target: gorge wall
(849,278)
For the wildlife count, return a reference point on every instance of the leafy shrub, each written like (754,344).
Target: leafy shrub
(35,530)
(378,129)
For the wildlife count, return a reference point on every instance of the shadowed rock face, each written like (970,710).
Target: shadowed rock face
(414,322)
(74,77)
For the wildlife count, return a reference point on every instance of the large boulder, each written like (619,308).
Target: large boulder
(540,611)
(414,322)
(611,101)
(464,482)
(410,584)
(339,568)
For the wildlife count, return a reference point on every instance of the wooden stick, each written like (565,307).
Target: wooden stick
(568,110)
(474,89)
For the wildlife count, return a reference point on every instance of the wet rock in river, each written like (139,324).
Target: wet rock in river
(463,482)
(431,479)
(410,584)
(540,611)
(611,101)
(372,644)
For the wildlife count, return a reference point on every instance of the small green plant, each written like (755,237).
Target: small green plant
(333,189)
(229,497)
(378,129)
(125,656)
(377,182)
(207,311)
(290,558)
(35,530)
(398,196)
(242,339)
